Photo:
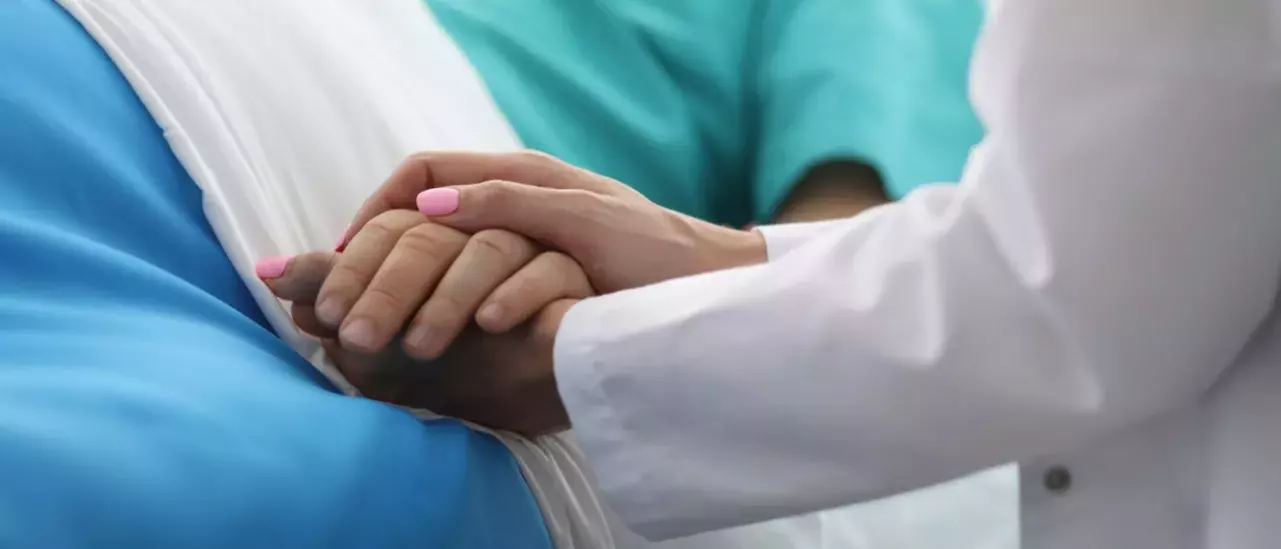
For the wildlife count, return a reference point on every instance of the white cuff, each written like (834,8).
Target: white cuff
(597,425)
(782,239)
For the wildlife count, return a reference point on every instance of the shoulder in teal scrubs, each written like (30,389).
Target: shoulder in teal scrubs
(143,403)
(718,107)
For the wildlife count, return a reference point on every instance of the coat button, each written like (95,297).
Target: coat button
(1057,479)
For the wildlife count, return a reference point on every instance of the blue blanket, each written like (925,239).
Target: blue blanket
(143,400)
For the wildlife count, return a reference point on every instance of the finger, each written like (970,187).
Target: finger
(296,278)
(528,167)
(304,316)
(364,372)
(359,262)
(396,193)
(407,276)
(431,170)
(559,218)
(550,277)
(386,376)
(487,260)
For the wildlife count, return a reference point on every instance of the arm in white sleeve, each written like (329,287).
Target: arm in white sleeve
(1113,243)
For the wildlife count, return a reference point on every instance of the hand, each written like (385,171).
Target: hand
(400,265)
(833,190)
(621,239)
(502,379)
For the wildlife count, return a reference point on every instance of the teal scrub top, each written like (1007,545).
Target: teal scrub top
(144,402)
(717,107)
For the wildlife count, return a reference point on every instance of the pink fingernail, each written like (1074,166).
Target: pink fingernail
(271,267)
(438,201)
(341,238)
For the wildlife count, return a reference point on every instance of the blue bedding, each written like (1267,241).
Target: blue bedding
(143,400)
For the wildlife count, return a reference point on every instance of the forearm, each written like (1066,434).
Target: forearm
(833,190)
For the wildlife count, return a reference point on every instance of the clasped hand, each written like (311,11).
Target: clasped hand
(453,280)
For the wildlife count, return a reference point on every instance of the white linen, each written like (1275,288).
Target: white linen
(1096,299)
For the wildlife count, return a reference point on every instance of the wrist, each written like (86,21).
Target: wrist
(548,323)
(739,248)
(550,410)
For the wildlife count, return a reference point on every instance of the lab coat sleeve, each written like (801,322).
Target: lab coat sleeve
(1112,245)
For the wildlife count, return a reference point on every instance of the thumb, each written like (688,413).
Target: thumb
(560,218)
(296,278)
(432,170)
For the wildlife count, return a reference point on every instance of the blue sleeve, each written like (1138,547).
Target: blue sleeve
(878,81)
(143,403)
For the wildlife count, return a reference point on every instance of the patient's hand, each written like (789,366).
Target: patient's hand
(404,289)
(403,275)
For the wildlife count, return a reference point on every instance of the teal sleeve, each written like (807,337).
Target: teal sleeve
(878,81)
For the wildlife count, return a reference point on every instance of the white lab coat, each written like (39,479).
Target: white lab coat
(1095,299)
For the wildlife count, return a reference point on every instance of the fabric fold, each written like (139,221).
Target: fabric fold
(288,128)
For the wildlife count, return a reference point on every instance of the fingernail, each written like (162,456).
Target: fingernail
(419,338)
(359,333)
(341,238)
(272,267)
(491,313)
(330,311)
(438,201)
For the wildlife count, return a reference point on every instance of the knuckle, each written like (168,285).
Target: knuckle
(560,262)
(345,277)
(532,166)
(378,301)
(499,242)
(583,197)
(495,194)
(432,240)
(390,223)
(442,310)
(536,158)
(379,228)
(385,218)
(569,276)
(414,170)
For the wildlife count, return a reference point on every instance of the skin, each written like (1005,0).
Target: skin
(404,275)
(833,190)
(564,192)
(400,276)
(402,271)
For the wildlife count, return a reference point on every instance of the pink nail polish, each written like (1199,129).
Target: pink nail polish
(435,202)
(338,246)
(271,267)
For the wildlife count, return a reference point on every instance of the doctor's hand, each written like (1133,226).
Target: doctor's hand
(621,239)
